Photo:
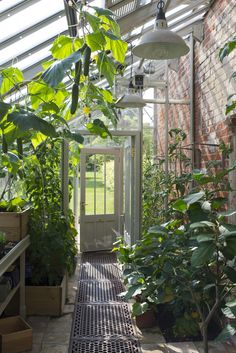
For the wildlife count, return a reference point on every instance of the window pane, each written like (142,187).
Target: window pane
(100,182)
(90,185)
(110,185)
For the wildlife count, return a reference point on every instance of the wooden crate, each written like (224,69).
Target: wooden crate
(46,300)
(15,334)
(14,224)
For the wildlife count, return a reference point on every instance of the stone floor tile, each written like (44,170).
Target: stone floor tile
(38,323)
(56,338)
(214,347)
(60,326)
(36,349)
(38,337)
(152,335)
(55,349)
(181,347)
(69,308)
(153,348)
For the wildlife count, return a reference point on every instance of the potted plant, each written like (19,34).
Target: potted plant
(14,213)
(186,266)
(53,236)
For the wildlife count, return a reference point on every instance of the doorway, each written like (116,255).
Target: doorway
(101,197)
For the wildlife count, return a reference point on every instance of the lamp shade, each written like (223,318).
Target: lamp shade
(130,101)
(160,44)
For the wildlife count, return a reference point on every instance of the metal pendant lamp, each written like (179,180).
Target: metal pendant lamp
(130,100)
(160,43)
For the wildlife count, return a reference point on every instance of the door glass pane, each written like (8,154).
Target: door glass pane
(110,184)
(100,184)
(90,185)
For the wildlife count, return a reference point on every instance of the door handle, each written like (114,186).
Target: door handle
(82,205)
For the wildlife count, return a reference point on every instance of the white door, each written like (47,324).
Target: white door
(101,197)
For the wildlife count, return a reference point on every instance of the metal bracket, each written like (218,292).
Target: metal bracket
(198,31)
(173,64)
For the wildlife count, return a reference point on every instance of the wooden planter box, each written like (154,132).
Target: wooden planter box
(14,224)
(46,300)
(15,335)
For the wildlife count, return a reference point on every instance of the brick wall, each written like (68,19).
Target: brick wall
(212,85)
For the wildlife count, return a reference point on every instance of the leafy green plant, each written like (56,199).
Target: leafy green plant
(33,126)
(53,237)
(187,263)
(67,85)
(227,49)
(157,186)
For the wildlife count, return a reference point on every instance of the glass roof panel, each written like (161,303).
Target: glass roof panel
(31,15)
(29,42)
(7,4)
(33,58)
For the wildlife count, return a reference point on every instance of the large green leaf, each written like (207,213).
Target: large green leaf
(103,12)
(202,224)
(227,213)
(96,41)
(180,205)
(12,132)
(4,108)
(203,254)
(231,273)
(227,333)
(57,71)
(231,245)
(40,93)
(63,46)
(106,67)
(192,198)
(139,308)
(117,46)
(97,127)
(205,237)
(12,162)
(231,105)
(227,49)
(9,78)
(37,139)
(196,213)
(92,20)
(118,49)
(26,120)
(158,230)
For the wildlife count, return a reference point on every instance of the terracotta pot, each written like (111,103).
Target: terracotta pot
(146,320)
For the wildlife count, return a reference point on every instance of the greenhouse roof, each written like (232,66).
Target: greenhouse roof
(28,27)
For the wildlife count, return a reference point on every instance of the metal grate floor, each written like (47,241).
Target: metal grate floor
(100,272)
(99,258)
(95,291)
(108,346)
(102,321)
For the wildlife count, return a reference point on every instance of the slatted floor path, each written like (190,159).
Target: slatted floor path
(102,322)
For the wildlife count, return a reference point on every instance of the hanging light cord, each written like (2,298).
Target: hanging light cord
(131,68)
